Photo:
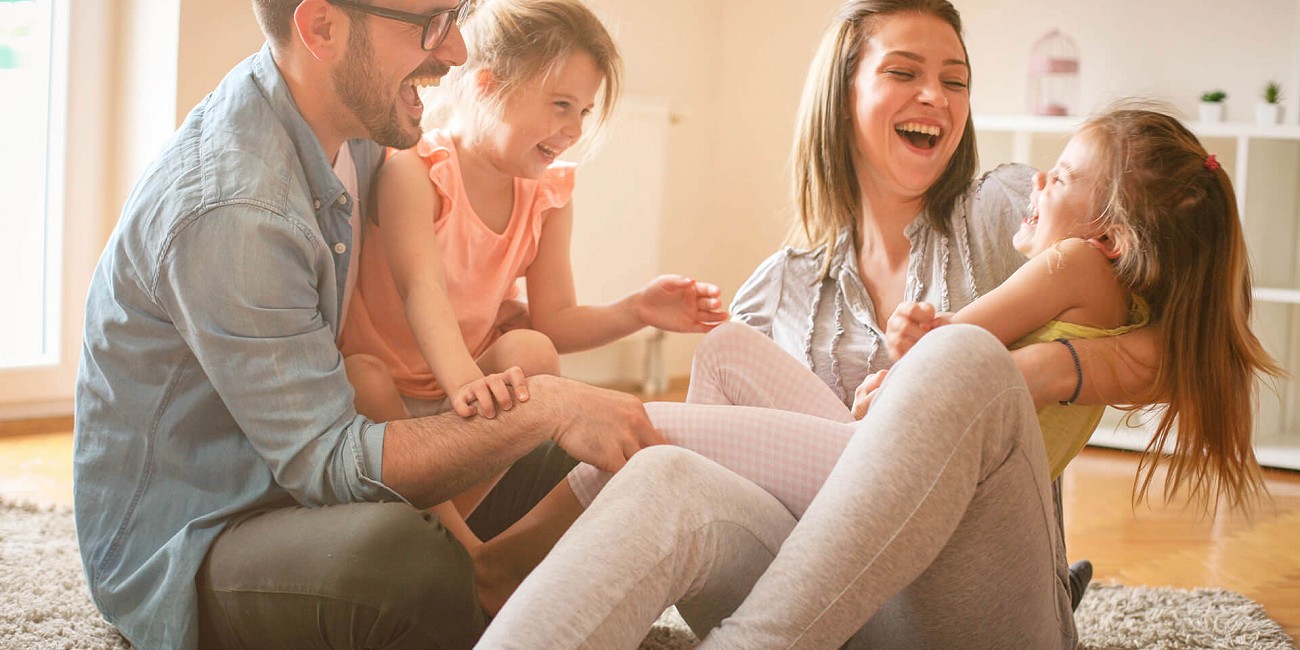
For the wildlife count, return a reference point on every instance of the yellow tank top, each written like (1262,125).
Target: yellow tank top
(1066,429)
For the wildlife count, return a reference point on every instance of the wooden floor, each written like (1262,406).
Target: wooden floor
(1154,546)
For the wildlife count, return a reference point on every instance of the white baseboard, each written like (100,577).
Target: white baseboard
(34,410)
(1112,434)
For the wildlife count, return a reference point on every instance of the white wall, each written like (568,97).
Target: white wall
(214,36)
(144,92)
(664,45)
(1170,49)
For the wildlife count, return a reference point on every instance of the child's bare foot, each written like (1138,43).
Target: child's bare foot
(502,563)
(495,576)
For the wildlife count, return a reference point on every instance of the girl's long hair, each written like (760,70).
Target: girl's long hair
(825,182)
(1173,210)
(520,42)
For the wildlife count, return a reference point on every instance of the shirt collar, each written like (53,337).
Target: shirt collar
(324,185)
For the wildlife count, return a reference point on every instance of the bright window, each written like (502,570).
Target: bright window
(32,85)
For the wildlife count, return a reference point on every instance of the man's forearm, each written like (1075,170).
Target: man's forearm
(429,460)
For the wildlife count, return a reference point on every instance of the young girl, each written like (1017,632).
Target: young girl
(1135,223)
(481,203)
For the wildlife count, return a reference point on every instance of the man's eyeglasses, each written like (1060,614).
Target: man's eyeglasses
(436,25)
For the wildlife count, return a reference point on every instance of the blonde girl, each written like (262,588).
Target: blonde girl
(480,203)
(1135,222)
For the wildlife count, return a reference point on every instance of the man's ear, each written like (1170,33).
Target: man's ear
(322,28)
(1112,243)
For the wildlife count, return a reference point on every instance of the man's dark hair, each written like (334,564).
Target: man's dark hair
(275,17)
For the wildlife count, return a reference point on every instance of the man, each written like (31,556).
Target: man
(227,493)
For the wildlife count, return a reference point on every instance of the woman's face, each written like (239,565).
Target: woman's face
(1061,202)
(910,101)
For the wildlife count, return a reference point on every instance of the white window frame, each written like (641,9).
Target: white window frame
(80,117)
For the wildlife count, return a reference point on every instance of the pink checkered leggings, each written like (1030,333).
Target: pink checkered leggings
(787,436)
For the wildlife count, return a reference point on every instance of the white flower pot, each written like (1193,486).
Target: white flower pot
(1211,111)
(1267,114)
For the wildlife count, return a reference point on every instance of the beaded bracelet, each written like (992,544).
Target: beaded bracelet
(1078,370)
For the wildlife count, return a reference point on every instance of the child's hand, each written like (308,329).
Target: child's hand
(489,392)
(680,304)
(866,392)
(910,321)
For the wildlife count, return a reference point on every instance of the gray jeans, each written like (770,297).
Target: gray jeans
(361,575)
(936,528)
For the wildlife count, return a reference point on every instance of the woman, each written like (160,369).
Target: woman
(935,526)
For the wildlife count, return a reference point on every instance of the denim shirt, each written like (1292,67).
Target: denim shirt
(210,383)
(828,321)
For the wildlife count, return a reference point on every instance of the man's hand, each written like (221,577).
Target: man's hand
(680,304)
(909,322)
(866,392)
(490,392)
(597,426)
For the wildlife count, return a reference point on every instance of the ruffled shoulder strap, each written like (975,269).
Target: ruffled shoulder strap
(436,151)
(555,187)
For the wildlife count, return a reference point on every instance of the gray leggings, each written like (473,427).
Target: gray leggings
(935,528)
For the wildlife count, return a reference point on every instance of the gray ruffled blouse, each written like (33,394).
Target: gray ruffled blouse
(829,323)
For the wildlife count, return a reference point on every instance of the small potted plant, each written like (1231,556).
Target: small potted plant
(1269,111)
(1212,105)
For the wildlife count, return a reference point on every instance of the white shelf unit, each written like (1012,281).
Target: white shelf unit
(1264,164)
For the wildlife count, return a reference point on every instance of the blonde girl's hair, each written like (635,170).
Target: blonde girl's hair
(825,183)
(1174,214)
(520,42)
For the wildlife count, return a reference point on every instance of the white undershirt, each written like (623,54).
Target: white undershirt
(346,170)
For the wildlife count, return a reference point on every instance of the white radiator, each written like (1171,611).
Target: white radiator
(618,233)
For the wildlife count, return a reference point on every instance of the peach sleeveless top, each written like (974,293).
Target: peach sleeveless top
(482,268)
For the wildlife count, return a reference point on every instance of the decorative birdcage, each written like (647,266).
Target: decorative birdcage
(1054,75)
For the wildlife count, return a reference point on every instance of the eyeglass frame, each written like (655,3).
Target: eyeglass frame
(423,20)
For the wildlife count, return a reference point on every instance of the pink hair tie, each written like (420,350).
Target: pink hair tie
(1212,163)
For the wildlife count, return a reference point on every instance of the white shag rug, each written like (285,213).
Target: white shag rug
(44,604)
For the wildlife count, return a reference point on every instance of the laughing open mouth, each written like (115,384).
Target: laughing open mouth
(921,136)
(415,83)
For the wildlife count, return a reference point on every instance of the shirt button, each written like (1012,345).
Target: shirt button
(340,248)
(343,199)
(316,203)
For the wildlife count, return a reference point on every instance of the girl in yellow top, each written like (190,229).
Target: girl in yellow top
(1135,223)
(479,204)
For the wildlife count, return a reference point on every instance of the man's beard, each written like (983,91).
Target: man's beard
(357,86)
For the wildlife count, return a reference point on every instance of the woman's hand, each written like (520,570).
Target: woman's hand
(909,322)
(866,392)
(680,304)
(490,392)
